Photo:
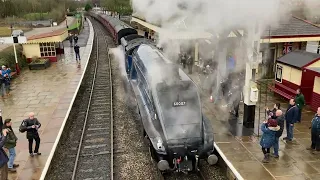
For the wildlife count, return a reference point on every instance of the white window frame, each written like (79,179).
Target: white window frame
(276,74)
(48,49)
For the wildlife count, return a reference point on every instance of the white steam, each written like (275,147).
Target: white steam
(217,17)
(118,55)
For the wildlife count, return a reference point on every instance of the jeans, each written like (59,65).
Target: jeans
(77,56)
(276,146)
(12,155)
(289,130)
(37,139)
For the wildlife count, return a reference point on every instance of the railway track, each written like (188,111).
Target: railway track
(86,149)
(94,157)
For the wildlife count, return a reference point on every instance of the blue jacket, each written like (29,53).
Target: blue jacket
(3,155)
(292,114)
(4,72)
(269,135)
(315,124)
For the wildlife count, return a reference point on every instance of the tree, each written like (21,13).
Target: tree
(123,7)
(88,7)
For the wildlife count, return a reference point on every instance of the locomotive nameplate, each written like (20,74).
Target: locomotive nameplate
(180,103)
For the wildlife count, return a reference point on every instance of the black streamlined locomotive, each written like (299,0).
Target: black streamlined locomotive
(167,101)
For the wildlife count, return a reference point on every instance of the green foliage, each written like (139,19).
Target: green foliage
(88,7)
(36,60)
(123,7)
(7,57)
(36,16)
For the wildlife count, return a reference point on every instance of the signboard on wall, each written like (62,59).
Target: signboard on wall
(313,47)
(9,40)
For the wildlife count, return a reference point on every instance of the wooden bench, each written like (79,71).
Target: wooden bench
(278,91)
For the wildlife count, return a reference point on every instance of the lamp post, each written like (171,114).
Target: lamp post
(16,58)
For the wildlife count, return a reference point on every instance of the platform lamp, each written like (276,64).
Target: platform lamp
(15,40)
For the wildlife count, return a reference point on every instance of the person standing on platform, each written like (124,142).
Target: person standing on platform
(3,156)
(10,145)
(292,115)
(70,39)
(269,129)
(31,125)
(189,63)
(183,59)
(6,78)
(75,38)
(300,102)
(315,133)
(280,122)
(77,51)
(272,113)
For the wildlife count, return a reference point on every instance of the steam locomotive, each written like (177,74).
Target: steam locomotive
(167,101)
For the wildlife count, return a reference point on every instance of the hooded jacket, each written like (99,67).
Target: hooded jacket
(269,134)
(11,141)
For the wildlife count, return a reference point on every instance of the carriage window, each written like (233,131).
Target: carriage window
(279,74)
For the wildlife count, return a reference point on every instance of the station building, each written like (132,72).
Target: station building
(46,45)
(287,36)
(295,70)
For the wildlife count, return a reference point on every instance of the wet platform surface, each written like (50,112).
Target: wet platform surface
(48,93)
(241,145)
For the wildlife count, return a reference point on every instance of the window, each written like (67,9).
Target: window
(279,74)
(47,49)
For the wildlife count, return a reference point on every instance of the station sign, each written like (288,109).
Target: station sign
(9,40)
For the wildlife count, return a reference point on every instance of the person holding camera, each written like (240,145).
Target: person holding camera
(31,125)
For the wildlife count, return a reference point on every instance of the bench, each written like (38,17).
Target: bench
(278,91)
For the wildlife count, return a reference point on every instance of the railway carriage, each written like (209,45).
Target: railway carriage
(167,101)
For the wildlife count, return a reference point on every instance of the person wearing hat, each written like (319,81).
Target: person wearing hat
(10,144)
(269,129)
(3,156)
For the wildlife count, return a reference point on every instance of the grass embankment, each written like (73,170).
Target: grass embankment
(6,31)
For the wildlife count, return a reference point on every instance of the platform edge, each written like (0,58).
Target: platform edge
(48,162)
(228,163)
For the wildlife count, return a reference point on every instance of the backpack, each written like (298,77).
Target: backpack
(23,126)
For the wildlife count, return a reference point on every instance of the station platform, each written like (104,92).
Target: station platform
(49,94)
(240,146)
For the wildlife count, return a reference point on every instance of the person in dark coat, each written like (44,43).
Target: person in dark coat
(10,145)
(183,59)
(280,121)
(31,125)
(300,102)
(77,51)
(3,156)
(189,63)
(271,114)
(70,39)
(269,129)
(292,116)
(75,38)
(315,133)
